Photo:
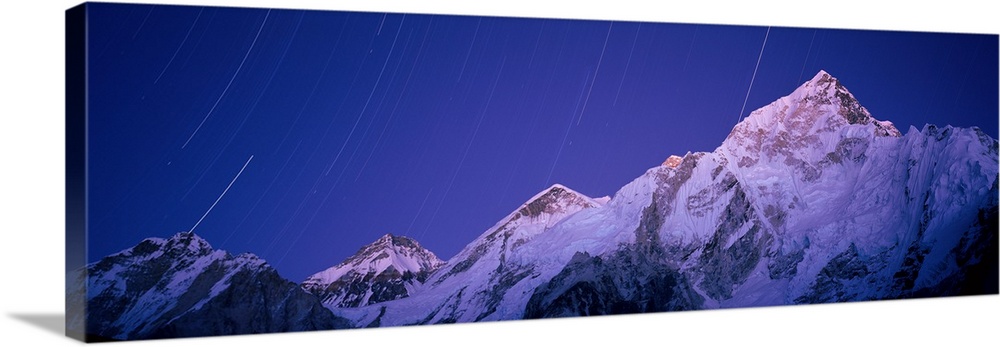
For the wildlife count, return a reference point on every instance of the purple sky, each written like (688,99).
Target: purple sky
(435,127)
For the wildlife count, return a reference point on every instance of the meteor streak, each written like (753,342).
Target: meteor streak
(221,195)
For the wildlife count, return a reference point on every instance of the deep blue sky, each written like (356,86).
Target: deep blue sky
(435,127)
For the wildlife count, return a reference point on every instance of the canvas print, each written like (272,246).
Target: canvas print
(248,170)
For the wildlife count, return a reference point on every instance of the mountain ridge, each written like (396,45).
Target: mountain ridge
(810,199)
(760,232)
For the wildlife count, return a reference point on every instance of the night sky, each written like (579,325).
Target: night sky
(436,127)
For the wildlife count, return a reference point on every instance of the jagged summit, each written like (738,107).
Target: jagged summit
(538,214)
(190,240)
(553,200)
(821,104)
(826,89)
(398,252)
(821,74)
(387,269)
(488,254)
(555,188)
(185,243)
(393,241)
(805,126)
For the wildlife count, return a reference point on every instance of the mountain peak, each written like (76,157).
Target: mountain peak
(824,89)
(537,215)
(821,81)
(820,108)
(397,263)
(554,199)
(397,249)
(820,76)
(557,186)
(390,241)
(189,242)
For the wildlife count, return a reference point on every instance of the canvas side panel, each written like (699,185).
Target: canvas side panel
(76,173)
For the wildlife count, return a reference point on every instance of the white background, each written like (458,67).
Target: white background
(31,193)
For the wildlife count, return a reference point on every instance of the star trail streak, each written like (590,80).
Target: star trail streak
(178,50)
(755,67)
(627,63)
(369,100)
(596,72)
(437,126)
(238,68)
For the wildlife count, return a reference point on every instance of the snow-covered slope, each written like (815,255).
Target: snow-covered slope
(472,285)
(390,268)
(181,287)
(809,199)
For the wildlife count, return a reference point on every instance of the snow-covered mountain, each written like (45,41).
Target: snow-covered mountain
(181,287)
(471,286)
(809,199)
(390,268)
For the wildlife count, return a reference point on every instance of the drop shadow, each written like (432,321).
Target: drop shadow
(52,322)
